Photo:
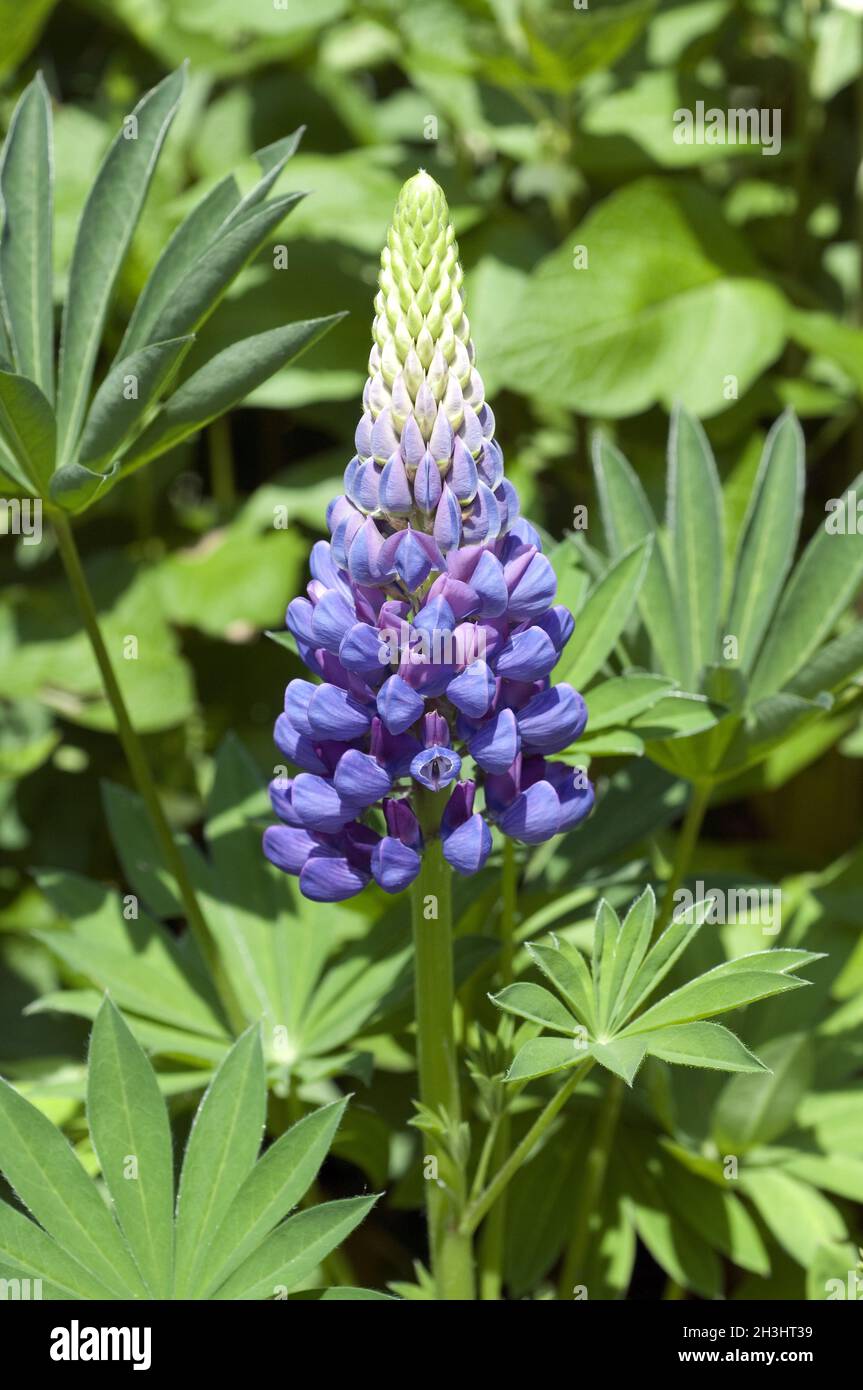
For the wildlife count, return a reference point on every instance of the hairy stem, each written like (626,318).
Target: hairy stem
(483,1204)
(451,1249)
(138,765)
(590,1191)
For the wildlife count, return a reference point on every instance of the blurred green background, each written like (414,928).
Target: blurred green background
(718,275)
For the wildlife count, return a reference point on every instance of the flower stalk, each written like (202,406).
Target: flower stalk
(431,901)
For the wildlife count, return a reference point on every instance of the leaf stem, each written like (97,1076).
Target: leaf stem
(138,765)
(450,1248)
(686,843)
(478,1209)
(590,1192)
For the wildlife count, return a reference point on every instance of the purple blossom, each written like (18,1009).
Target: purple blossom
(429,623)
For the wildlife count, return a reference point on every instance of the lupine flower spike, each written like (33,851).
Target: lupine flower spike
(429,624)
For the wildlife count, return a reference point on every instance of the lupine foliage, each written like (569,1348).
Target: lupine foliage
(227,1238)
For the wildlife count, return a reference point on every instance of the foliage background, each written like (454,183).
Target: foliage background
(553,128)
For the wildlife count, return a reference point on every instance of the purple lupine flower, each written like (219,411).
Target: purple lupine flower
(429,624)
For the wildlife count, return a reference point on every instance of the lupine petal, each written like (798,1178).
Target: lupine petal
(318,804)
(288,848)
(298,697)
(552,720)
(328,877)
(363,650)
(399,705)
(359,778)
(332,617)
(394,865)
(527,656)
(468,847)
(496,743)
(489,583)
(534,816)
(534,591)
(333,713)
(436,767)
(473,690)
(295,747)
(395,490)
(447,522)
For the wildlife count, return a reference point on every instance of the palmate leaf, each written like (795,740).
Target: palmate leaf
(785,668)
(109,218)
(76,458)
(601,1002)
(25,240)
(603,616)
(229,1236)
(129,1125)
(695,526)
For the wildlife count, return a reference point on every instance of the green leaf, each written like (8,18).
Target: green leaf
(606,931)
(52,1184)
(676,715)
(695,522)
(628,518)
(27,429)
(343,1294)
(660,958)
(34,1255)
(613,338)
(277,1183)
(600,622)
(756,1110)
(702,1045)
(220,1154)
(567,969)
(684,1255)
(618,700)
(105,230)
(825,579)
(206,224)
(798,1217)
(632,947)
(25,244)
(113,414)
(532,1002)
(542,1056)
(718,1216)
(622,1056)
(768,538)
(294,1251)
(713,993)
(221,383)
(201,289)
(831,667)
(136,960)
(128,1123)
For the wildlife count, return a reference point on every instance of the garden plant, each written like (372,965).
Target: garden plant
(430,735)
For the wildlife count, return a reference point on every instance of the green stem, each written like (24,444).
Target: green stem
(590,1190)
(491,1246)
(686,843)
(138,765)
(451,1249)
(478,1209)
